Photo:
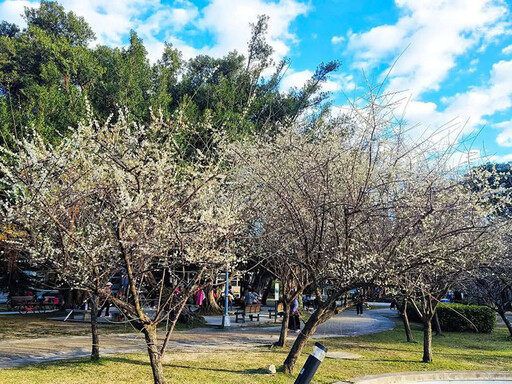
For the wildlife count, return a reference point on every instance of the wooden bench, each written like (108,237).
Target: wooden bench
(308,304)
(277,311)
(251,310)
(17,300)
(24,304)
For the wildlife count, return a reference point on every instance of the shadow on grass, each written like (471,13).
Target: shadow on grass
(127,360)
(390,361)
(252,371)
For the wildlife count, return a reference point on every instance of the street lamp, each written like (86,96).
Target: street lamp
(225,316)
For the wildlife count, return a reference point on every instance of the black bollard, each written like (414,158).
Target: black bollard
(312,363)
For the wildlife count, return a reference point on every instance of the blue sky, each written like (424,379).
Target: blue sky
(456,62)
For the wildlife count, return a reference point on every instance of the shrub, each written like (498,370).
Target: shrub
(451,320)
(483,318)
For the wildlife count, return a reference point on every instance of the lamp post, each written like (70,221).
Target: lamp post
(311,365)
(225,317)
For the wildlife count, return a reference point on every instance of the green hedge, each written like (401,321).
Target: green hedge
(482,317)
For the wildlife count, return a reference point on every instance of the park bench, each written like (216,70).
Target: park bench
(277,311)
(251,310)
(24,304)
(309,303)
(30,303)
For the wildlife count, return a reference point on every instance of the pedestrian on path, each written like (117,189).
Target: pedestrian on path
(106,304)
(199,298)
(294,321)
(359,303)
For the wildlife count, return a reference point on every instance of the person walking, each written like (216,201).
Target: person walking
(231,299)
(294,321)
(359,304)
(199,298)
(248,297)
(106,304)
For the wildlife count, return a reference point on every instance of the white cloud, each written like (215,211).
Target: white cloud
(225,20)
(501,159)
(479,102)
(153,21)
(111,20)
(459,159)
(504,138)
(229,22)
(337,39)
(507,50)
(436,33)
(465,111)
(11,10)
(345,81)
(295,79)
(431,37)
(168,18)
(336,82)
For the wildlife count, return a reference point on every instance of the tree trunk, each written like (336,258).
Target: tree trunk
(284,326)
(427,340)
(69,300)
(95,353)
(154,355)
(407,325)
(267,291)
(210,306)
(437,325)
(309,329)
(505,320)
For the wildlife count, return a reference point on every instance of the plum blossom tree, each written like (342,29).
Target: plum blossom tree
(491,283)
(356,204)
(123,196)
(455,235)
(316,196)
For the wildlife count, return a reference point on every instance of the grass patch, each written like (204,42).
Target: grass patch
(40,325)
(384,352)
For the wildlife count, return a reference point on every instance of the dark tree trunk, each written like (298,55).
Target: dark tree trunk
(154,355)
(267,291)
(503,315)
(405,319)
(437,325)
(259,282)
(427,340)
(284,326)
(309,329)
(70,303)
(95,352)
(210,306)
(187,316)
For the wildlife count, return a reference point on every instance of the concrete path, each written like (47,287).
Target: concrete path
(27,351)
(350,324)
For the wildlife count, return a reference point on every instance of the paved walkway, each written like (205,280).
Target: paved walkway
(28,351)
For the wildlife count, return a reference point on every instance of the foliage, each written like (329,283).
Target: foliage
(48,70)
(45,71)
(483,318)
(462,318)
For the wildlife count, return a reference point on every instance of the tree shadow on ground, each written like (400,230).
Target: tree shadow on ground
(251,371)
(127,360)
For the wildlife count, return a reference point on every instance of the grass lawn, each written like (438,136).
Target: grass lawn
(383,352)
(39,325)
